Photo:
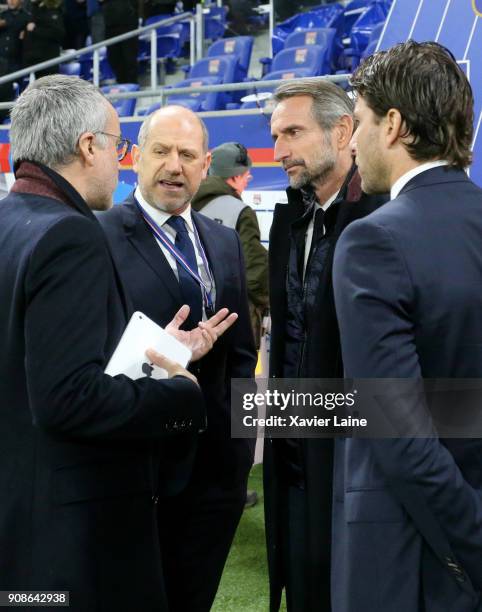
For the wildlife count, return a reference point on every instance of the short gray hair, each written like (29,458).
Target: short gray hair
(330,102)
(146,124)
(51,115)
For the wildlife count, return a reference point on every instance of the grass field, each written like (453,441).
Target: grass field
(244,585)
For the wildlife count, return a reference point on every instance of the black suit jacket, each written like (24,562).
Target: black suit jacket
(154,290)
(76,446)
(323,360)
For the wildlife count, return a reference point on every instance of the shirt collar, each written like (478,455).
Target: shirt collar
(311,202)
(160,216)
(327,204)
(408,176)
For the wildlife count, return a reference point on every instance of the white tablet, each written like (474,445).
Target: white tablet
(141,333)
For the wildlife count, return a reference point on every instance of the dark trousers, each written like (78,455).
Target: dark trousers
(123,56)
(197,528)
(303,567)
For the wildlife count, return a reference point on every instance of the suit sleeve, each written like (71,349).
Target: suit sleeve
(374,297)
(68,289)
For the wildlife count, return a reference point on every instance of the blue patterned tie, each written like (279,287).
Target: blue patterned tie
(190,289)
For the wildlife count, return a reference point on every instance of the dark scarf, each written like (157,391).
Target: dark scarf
(37,179)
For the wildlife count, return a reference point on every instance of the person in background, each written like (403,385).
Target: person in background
(76,24)
(12,23)
(121,16)
(44,34)
(96,21)
(219,198)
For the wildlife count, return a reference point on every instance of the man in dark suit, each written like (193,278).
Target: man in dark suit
(78,448)
(408,512)
(312,126)
(197,524)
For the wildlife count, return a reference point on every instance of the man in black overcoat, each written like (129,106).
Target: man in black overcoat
(311,125)
(79,450)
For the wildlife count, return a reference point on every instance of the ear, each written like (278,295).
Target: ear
(135,155)
(393,126)
(207,163)
(86,148)
(344,132)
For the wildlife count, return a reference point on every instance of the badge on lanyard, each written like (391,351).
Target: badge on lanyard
(178,256)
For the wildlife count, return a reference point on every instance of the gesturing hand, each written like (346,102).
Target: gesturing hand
(172,368)
(201,339)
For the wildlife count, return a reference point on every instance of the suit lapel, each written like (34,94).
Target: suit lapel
(142,239)
(215,258)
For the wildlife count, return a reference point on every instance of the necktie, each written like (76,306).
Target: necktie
(190,289)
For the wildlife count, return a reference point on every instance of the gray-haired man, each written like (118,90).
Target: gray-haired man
(77,469)
(311,126)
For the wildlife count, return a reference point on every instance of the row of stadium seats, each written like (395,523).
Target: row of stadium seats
(343,36)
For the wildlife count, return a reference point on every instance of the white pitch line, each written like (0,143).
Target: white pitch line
(443,20)
(477,130)
(469,42)
(415,19)
(386,24)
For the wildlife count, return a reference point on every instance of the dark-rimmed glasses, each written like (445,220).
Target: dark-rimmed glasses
(122,146)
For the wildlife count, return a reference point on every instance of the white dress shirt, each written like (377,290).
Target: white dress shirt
(161,217)
(408,176)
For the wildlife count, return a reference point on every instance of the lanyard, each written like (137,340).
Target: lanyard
(178,256)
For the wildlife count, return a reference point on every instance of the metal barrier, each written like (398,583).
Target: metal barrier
(255,86)
(165,92)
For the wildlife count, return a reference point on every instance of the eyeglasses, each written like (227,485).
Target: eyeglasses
(122,146)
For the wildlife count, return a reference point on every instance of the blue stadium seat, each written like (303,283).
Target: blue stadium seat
(305,61)
(240,47)
(182,28)
(150,109)
(124,108)
(373,40)
(222,67)
(170,40)
(200,101)
(326,16)
(352,13)
(86,63)
(288,73)
(323,37)
(374,16)
(214,21)
(71,69)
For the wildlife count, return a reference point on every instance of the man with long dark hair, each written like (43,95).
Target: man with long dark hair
(407,279)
